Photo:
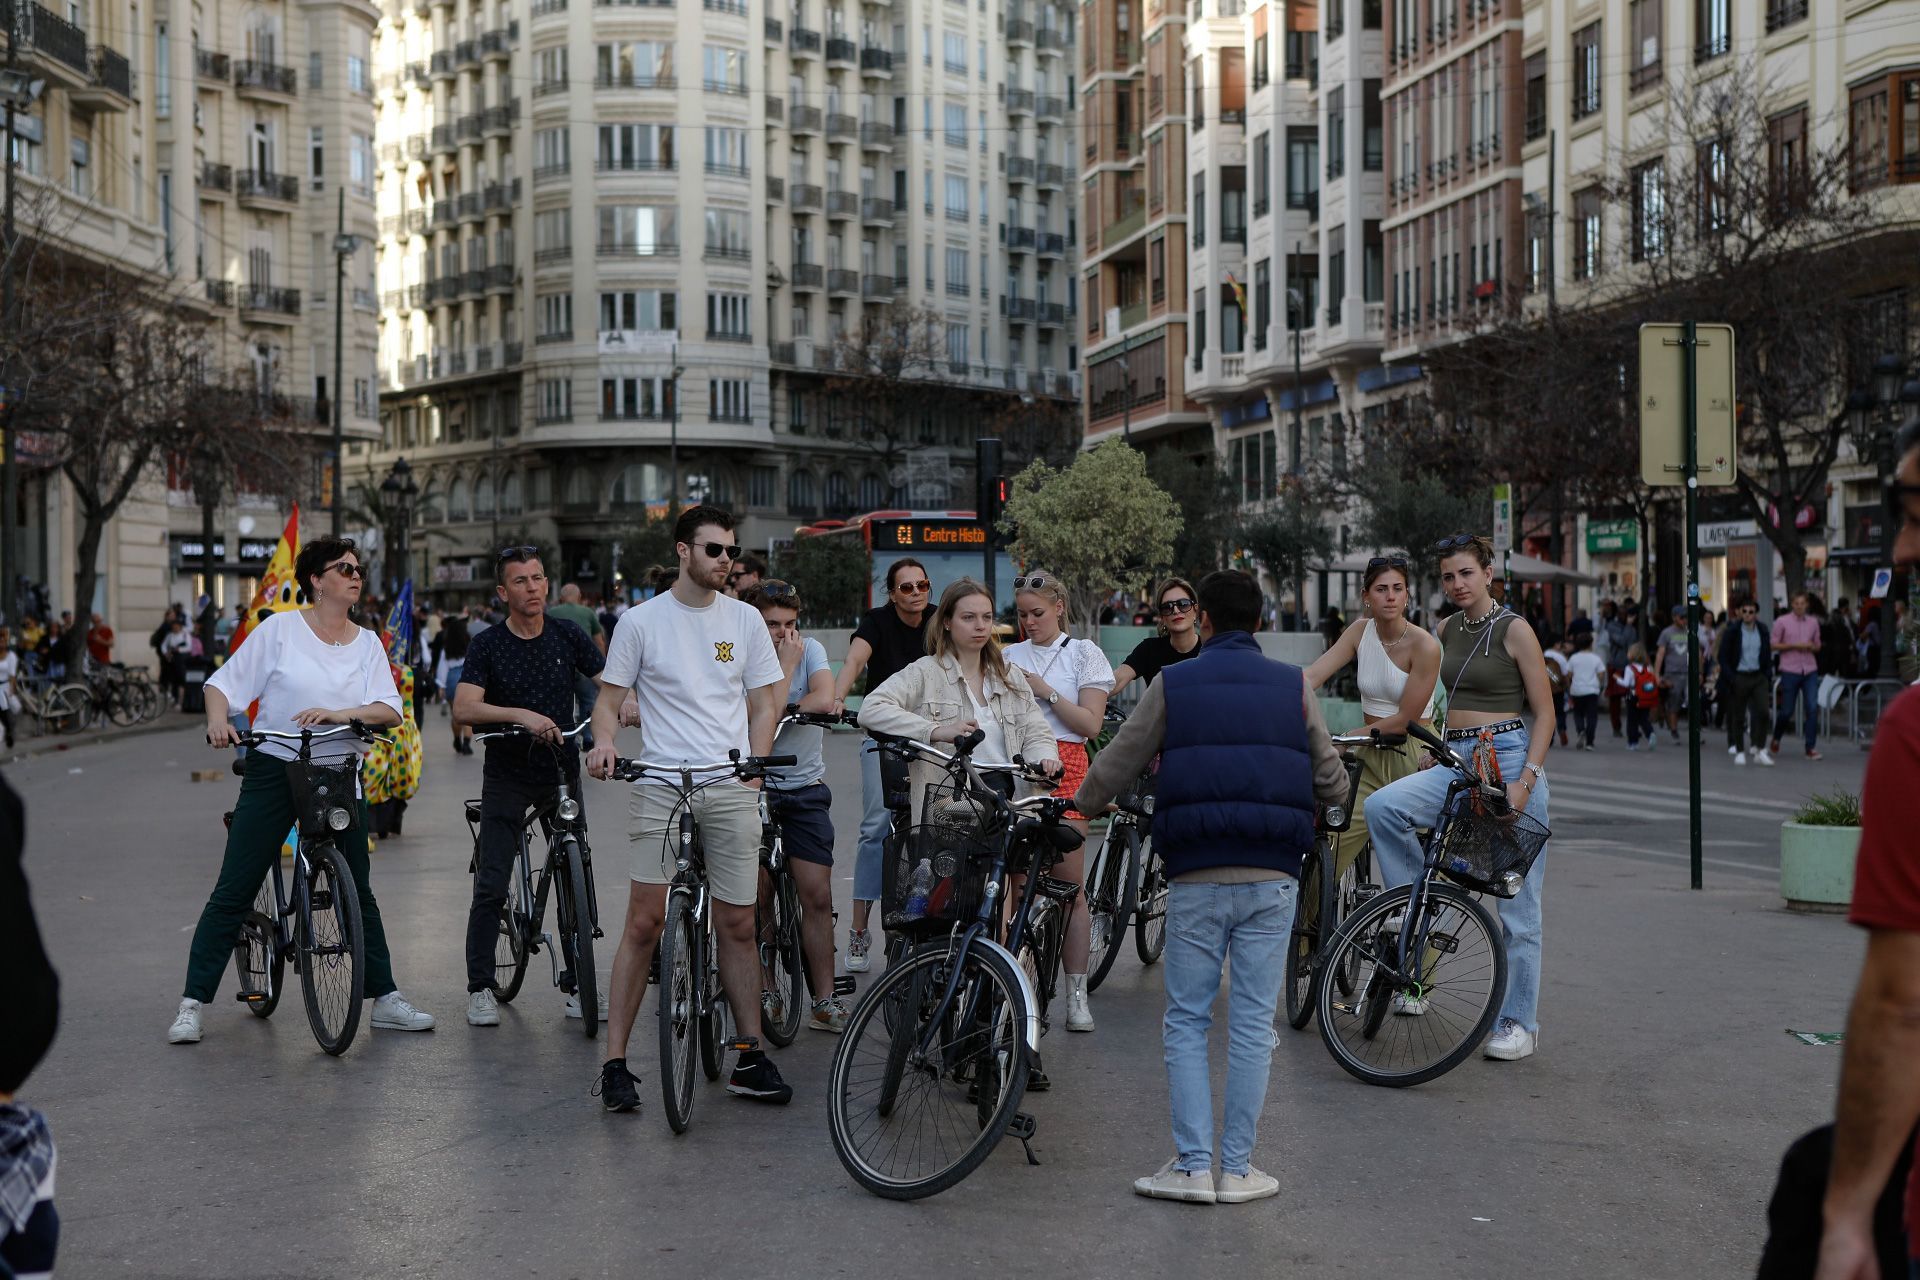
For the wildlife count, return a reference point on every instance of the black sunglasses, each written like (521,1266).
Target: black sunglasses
(715,550)
(1170,607)
(346,569)
(1031,582)
(1456,542)
(517,553)
(1897,495)
(1387,562)
(772,590)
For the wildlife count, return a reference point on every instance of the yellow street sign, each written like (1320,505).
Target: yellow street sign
(1663,443)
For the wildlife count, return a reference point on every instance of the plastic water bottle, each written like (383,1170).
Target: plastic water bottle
(917,890)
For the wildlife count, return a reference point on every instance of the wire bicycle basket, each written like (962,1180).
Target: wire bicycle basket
(1486,846)
(936,875)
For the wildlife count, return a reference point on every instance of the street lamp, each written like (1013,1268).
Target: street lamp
(1877,410)
(344,246)
(399,491)
(18,90)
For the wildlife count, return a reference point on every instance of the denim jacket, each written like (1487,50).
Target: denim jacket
(931,692)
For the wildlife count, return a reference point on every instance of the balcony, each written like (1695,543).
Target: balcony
(805,197)
(877,63)
(270,303)
(1052,244)
(875,136)
(843,51)
(416,297)
(876,288)
(541,8)
(220,292)
(781,353)
(1019,310)
(443,215)
(261,187)
(467,206)
(842,128)
(215,177)
(726,253)
(466,53)
(416,219)
(440,64)
(1019,102)
(547,88)
(392,155)
(1127,223)
(1052,175)
(417,146)
(1053,315)
(498,197)
(214,68)
(842,205)
(51,44)
(442,136)
(1051,109)
(638,249)
(808,277)
(876,212)
(776,32)
(473,283)
(804,120)
(498,121)
(467,129)
(776,190)
(1020,239)
(1051,42)
(493,44)
(553,255)
(550,173)
(266,80)
(1019,33)
(417,76)
(802,43)
(841,281)
(731,88)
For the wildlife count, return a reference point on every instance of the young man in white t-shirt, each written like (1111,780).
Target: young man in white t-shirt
(707,681)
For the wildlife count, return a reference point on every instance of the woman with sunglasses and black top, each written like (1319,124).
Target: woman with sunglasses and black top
(1398,665)
(1179,639)
(307,668)
(1493,672)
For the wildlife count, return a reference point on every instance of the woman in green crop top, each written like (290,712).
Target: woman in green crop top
(1493,673)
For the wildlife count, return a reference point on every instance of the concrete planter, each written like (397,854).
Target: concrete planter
(1816,866)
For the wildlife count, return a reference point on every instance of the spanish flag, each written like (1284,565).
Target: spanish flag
(278,590)
(1239,293)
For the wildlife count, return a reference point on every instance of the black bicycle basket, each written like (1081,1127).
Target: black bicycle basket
(1486,846)
(937,874)
(320,788)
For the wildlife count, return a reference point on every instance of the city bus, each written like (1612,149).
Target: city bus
(949,543)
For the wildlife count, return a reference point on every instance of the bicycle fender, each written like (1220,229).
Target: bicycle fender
(1026,989)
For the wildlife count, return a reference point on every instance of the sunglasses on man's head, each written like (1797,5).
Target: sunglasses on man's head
(715,550)
(915,588)
(1168,608)
(517,553)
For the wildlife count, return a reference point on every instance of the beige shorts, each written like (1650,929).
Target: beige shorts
(729,818)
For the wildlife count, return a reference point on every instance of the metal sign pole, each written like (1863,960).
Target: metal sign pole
(1691,478)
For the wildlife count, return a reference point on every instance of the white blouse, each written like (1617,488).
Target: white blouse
(1068,665)
(289,669)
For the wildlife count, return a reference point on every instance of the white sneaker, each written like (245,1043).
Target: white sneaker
(186,1023)
(1511,1042)
(1079,1015)
(599,1002)
(1740,757)
(857,944)
(391,1012)
(482,1009)
(1733,751)
(1409,1006)
(1177,1184)
(1763,757)
(1238,1188)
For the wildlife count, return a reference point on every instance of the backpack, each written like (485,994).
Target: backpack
(1646,688)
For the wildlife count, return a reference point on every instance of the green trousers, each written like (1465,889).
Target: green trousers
(261,821)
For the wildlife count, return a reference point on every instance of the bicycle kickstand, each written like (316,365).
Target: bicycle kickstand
(1023,1127)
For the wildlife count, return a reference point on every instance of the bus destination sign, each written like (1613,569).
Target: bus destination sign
(927,535)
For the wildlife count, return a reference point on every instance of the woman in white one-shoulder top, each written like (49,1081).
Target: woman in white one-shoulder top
(1398,667)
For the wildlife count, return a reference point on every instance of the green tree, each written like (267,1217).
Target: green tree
(831,572)
(1207,499)
(1102,524)
(1289,538)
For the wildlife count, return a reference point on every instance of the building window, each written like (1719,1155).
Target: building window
(1787,157)
(636,398)
(1649,182)
(800,494)
(1336,131)
(635,64)
(1710,26)
(553,317)
(1373,141)
(729,399)
(1586,71)
(1197,209)
(955,116)
(553,232)
(635,148)
(316,157)
(642,230)
(551,152)
(1333,23)
(555,400)
(81,152)
(1337,275)
(1882,145)
(761,483)
(1373,265)
(1536,74)
(1157,270)
(1303,167)
(956,198)
(727,234)
(727,317)
(1199,326)
(1262,173)
(1259,61)
(723,70)
(652,310)
(550,69)
(1586,234)
(24,146)
(1714,174)
(1262,302)
(1643,17)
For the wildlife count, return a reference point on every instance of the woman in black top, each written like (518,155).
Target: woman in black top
(1179,637)
(450,645)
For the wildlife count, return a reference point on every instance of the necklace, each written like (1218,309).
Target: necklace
(1396,642)
(1474,624)
(325,639)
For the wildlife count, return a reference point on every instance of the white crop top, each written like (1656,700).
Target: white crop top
(1381,682)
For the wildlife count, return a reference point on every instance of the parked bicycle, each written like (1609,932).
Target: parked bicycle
(568,875)
(121,694)
(1114,880)
(315,927)
(59,706)
(1324,899)
(935,1059)
(692,1003)
(1430,969)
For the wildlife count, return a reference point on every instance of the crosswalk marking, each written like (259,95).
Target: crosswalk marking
(1653,791)
(1664,855)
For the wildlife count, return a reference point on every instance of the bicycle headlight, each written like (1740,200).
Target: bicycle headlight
(1146,804)
(569,809)
(339,819)
(1336,817)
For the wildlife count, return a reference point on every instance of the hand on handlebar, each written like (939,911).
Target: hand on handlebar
(953,732)
(600,761)
(542,728)
(221,733)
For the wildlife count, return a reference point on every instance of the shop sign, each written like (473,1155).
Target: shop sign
(1613,537)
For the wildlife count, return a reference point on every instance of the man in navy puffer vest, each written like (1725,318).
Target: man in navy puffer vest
(1244,757)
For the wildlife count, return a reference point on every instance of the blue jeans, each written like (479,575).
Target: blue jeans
(1393,812)
(1208,925)
(1804,685)
(868,860)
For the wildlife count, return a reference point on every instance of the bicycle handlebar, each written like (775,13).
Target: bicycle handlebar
(817,719)
(255,737)
(1446,755)
(507,729)
(625,770)
(1369,738)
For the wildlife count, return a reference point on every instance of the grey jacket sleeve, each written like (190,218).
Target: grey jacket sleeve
(1123,759)
(1329,775)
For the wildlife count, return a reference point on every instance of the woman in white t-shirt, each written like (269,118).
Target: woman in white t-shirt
(9,670)
(1072,680)
(306,668)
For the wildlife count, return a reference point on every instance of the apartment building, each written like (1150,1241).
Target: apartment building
(202,148)
(629,246)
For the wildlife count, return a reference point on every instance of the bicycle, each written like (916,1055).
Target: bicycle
(568,873)
(1444,1004)
(692,1003)
(784,981)
(1323,901)
(938,1051)
(317,928)
(59,706)
(1114,881)
(114,693)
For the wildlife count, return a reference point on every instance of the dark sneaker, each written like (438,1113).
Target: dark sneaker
(1038,1081)
(615,1088)
(755,1076)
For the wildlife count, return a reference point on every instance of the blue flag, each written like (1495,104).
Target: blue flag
(400,632)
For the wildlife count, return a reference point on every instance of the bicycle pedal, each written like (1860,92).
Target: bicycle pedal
(323,901)
(249,997)
(845,985)
(1022,1126)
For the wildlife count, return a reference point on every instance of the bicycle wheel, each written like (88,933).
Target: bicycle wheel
(782,966)
(1111,898)
(69,709)
(152,703)
(678,999)
(332,950)
(714,1022)
(1039,954)
(1303,948)
(1361,872)
(123,705)
(1462,979)
(907,1125)
(1150,914)
(258,965)
(578,930)
(511,948)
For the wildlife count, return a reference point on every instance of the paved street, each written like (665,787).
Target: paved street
(1642,1141)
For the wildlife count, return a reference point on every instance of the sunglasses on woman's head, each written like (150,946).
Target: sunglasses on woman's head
(1387,562)
(772,590)
(715,550)
(1031,582)
(1455,543)
(1170,607)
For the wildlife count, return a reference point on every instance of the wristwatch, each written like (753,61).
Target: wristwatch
(1537,771)
(1053,699)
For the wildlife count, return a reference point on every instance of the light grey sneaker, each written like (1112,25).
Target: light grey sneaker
(186,1023)
(858,942)
(1171,1183)
(599,1002)
(1238,1188)
(1407,1006)
(1511,1042)
(829,1015)
(391,1012)
(482,1009)
(1079,1012)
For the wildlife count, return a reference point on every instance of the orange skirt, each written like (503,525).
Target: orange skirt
(1073,772)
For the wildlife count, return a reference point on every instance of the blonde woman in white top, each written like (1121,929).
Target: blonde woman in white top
(1398,666)
(1072,679)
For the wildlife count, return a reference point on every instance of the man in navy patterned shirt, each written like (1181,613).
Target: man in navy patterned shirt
(521,672)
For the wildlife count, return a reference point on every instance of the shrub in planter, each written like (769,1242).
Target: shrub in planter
(1817,850)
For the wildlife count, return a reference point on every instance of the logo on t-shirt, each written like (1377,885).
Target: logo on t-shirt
(723,651)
